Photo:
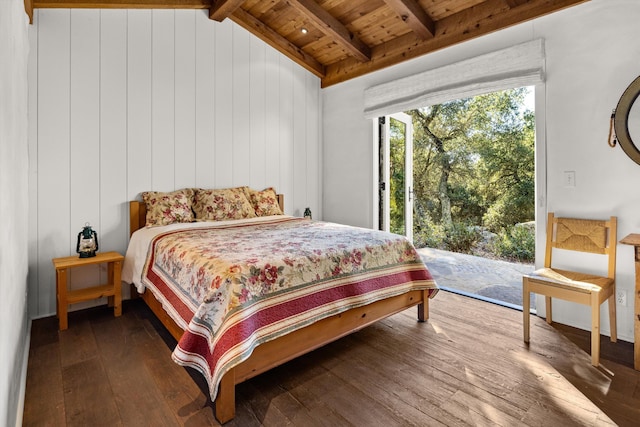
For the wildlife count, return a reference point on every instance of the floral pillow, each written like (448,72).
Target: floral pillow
(168,208)
(220,205)
(265,202)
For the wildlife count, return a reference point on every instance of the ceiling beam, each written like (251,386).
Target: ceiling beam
(28,7)
(266,34)
(484,18)
(332,28)
(222,9)
(514,3)
(121,4)
(239,16)
(414,16)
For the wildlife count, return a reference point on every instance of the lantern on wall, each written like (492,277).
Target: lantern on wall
(307,213)
(87,242)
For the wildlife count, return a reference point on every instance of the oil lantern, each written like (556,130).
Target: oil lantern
(87,242)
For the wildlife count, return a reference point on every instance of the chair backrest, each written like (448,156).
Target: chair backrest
(583,235)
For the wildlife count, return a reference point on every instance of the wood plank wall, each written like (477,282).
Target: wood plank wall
(124,101)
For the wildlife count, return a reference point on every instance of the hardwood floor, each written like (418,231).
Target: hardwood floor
(467,365)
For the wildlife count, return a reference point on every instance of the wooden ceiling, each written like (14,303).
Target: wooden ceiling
(341,39)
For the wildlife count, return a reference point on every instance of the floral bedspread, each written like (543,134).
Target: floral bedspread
(235,286)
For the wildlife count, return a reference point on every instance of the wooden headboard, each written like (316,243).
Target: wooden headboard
(138,213)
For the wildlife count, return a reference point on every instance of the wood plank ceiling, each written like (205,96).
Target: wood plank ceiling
(338,40)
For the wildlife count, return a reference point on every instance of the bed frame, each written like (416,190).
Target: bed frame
(292,345)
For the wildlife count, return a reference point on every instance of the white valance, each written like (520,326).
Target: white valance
(516,66)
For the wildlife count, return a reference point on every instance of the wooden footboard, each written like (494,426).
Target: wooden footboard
(299,342)
(292,345)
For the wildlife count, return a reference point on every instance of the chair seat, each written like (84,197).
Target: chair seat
(572,280)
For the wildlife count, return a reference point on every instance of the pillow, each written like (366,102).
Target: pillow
(168,208)
(219,205)
(265,202)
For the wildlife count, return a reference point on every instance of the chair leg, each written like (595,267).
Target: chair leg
(526,302)
(547,301)
(612,316)
(595,329)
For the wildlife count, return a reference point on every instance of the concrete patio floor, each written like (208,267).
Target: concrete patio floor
(493,280)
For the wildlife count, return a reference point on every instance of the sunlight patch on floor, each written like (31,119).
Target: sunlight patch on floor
(568,399)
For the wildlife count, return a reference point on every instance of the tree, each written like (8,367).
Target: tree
(506,161)
(473,160)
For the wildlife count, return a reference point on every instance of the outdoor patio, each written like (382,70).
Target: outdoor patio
(489,279)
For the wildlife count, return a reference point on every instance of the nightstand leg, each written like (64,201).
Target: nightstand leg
(114,271)
(61,286)
(111,299)
(57,296)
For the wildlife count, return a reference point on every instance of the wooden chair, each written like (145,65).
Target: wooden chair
(583,235)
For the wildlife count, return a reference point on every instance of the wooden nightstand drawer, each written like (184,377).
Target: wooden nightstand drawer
(112,289)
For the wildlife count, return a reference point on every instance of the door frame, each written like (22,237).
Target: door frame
(540,174)
(382,181)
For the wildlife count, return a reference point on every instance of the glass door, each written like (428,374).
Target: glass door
(397,175)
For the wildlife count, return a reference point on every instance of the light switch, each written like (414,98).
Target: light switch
(569,178)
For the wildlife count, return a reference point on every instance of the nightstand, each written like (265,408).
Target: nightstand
(112,289)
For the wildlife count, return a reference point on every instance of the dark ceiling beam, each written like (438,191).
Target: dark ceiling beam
(514,3)
(414,16)
(222,9)
(121,4)
(239,16)
(284,46)
(332,28)
(481,19)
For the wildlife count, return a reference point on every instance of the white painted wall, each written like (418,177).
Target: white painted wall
(14,324)
(592,55)
(124,101)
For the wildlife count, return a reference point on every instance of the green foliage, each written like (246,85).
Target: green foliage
(517,243)
(396,176)
(466,204)
(426,233)
(430,236)
(473,164)
(514,205)
(457,237)
(461,238)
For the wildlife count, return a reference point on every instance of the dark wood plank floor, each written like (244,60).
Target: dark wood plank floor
(467,365)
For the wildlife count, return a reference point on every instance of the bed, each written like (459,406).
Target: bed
(276,287)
